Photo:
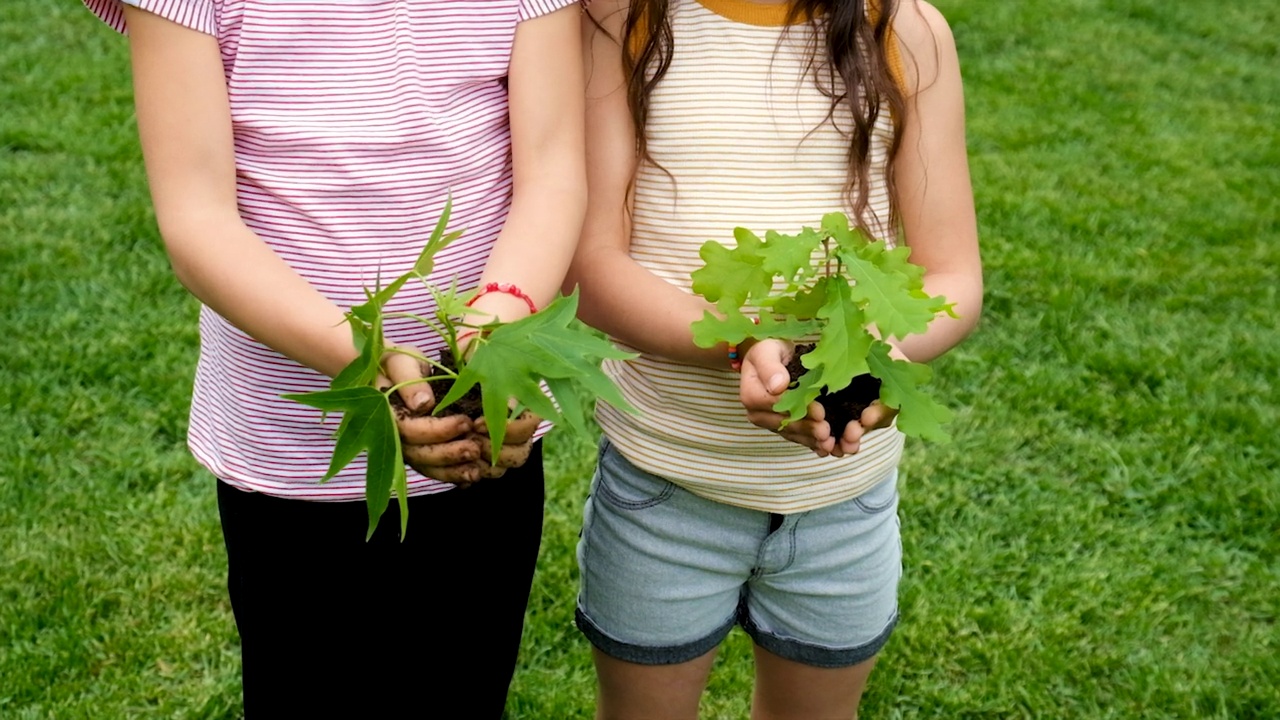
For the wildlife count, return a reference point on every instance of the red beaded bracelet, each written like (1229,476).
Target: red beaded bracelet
(509,289)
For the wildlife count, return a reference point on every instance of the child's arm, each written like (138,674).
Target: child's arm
(184,122)
(545,89)
(533,250)
(935,200)
(619,296)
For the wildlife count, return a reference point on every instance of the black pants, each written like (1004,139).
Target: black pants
(333,627)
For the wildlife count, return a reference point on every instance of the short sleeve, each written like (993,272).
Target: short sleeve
(530,9)
(199,15)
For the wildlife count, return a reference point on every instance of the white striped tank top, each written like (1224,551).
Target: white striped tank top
(742,129)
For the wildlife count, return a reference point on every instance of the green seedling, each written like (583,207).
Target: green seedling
(510,362)
(836,284)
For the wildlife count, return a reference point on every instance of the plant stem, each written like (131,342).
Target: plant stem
(439,330)
(415,381)
(423,358)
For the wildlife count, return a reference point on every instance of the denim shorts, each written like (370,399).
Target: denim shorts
(666,574)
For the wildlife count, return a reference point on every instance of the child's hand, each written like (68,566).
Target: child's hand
(516,445)
(764,378)
(875,417)
(440,448)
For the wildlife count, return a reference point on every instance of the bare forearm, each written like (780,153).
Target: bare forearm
(544,222)
(232,271)
(184,123)
(625,300)
(537,242)
(946,332)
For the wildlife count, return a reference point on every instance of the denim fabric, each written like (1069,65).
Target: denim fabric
(665,574)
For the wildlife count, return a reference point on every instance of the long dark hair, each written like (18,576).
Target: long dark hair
(849,63)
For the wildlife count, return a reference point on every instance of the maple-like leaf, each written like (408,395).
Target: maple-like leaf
(918,414)
(368,425)
(438,241)
(450,302)
(551,345)
(515,357)
(364,369)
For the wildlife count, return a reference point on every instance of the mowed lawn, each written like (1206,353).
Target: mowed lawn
(1101,540)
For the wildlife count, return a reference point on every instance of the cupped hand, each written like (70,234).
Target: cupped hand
(516,444)
(441,448)
(763,379)
(876,416)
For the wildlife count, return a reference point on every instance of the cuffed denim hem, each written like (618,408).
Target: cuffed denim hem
(650,655)
(816,655)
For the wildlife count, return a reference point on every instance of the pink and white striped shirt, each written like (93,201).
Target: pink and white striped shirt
(353,121)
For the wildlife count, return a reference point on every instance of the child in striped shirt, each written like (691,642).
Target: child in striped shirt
(704,115)
(297,152)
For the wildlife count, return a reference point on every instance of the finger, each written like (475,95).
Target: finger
(764,374)
(430,430)
(820,442)
(509,456)
(522,429)
(519,431)
(773,421)
(813,435)
(851,439)
(822,448)
(758,389)
(460,475)
(817,411)
(402,368)
(877,416)
(490,471)
(457,452)
(766,368)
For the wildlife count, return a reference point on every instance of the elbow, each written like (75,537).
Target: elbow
(179,245)
(581,272)
(588,276)
(968,307)
(974,314)
(572,277)
(186,237)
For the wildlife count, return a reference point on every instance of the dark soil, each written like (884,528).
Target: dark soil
(845,406)
(469,404)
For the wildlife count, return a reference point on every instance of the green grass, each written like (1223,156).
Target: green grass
(1102,540)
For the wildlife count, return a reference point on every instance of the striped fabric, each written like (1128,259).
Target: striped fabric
(742,130)
(353,122)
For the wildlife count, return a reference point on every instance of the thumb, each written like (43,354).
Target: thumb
(769,361)
(402,366)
